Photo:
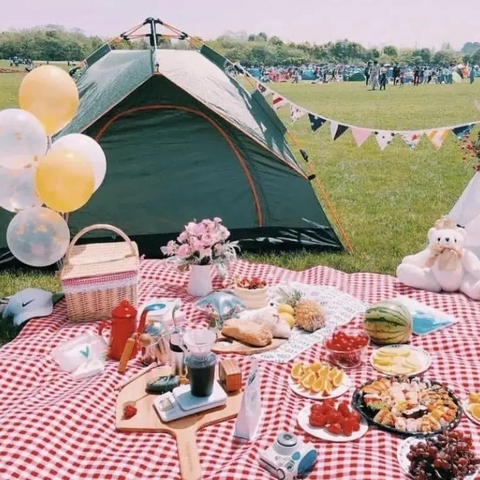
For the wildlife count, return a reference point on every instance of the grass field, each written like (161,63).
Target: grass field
(386,201)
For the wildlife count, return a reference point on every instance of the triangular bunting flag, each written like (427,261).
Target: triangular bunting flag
(337,130)
(263,90)
(360,135)
(278,101)
(384,138)
(296,112)
(412,138)
(437,136)
(315,121)
(462,131)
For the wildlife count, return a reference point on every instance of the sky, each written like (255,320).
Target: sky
(404,23)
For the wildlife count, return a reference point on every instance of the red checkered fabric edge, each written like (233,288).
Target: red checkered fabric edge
(53,427)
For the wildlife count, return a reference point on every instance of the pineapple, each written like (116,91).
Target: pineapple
(289,295)
(309,315)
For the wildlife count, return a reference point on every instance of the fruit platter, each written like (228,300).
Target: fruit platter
(318,380)
(471,407)
(447,456)
(400,360)
(333,422)
(408,406)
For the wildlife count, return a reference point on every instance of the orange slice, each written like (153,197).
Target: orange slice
(308,380)
(328,387)
(318,385)
(316,366)
(337,378)
(324,371)
(474,397)
(297,371)
(474,409)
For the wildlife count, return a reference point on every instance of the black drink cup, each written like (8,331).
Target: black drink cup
(201,374)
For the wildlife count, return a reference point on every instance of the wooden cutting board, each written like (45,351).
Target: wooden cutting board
(234,346)
(183,429)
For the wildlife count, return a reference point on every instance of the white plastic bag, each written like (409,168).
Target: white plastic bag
(88,348)
(426,319)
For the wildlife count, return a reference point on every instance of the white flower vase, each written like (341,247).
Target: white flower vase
(200,283)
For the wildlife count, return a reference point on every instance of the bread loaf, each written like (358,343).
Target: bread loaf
(247,332)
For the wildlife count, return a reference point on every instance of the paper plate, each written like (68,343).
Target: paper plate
(425,360)
(336,392)
(404,462)
(323,434)
(465,406)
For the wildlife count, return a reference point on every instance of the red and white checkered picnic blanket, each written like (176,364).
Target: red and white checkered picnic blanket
(52,427)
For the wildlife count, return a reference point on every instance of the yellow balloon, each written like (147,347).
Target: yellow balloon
(64,180)
(51,95)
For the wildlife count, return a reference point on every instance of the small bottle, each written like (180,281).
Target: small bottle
(177,352)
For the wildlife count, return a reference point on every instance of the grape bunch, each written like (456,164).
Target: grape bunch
(448,456)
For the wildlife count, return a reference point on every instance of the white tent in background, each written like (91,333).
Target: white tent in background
(466,213)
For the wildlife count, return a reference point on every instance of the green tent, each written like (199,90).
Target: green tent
(185,141)
(356,77)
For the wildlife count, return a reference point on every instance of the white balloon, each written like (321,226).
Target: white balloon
(23,140)
(17,189)
(89,149)
(38,236)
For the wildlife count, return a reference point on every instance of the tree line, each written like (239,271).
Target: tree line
(56,43)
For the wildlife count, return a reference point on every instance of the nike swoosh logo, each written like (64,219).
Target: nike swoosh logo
(24,304)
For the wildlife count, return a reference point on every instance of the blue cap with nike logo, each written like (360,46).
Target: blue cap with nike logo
(27,304)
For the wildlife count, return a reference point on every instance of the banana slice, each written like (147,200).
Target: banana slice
(402,351)
(401,370)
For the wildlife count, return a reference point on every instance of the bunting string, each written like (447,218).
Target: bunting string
(383,138)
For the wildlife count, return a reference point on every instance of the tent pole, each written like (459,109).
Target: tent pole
(152,22)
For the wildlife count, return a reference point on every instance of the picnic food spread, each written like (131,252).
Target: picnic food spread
(62,430)
(400,404)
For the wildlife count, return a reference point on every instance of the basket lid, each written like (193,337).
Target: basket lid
(96,259)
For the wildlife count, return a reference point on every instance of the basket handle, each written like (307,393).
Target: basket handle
(100,226)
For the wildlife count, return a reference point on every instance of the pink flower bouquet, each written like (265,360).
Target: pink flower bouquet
(202,243)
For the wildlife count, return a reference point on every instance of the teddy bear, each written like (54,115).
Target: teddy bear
(445,265)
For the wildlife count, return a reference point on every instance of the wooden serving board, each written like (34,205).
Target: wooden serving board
(183,429)
(241,349)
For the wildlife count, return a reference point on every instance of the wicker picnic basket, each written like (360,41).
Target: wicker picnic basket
(97,277)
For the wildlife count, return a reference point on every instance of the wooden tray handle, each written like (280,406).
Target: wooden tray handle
(190,468)
(100,226)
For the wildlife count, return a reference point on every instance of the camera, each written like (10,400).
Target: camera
(288,458)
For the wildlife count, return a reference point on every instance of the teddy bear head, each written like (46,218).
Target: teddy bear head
(452,238)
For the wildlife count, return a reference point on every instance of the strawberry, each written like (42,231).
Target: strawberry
(129,411)
(347,426)
(355,423)
(344,409)
(318,420)
(335,428)
(355,415)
